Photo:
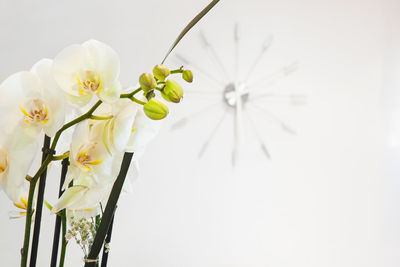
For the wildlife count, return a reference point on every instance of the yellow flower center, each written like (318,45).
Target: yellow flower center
(3,161)
(85,157)
(35,111)
(89,81)
(23,204)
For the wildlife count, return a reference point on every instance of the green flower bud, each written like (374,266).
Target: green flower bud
(187,75)
(147,82)
(172,91)
(161,72)
(155,109)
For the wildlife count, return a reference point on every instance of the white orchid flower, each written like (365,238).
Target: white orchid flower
(88,153)
(129,129)
(118,129)
(89,156)
(86,193)
(89,189)
(90,68)
(33,97)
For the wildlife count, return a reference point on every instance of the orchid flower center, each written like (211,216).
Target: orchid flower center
(87,157)
(89,81)
(21,204)
(3,161)
(35,111)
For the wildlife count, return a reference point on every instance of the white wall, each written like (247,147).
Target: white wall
(328,197)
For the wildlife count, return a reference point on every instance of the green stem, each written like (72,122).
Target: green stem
(73,122)
(60,157)
(129,95)
(64,240)
(177,71)
(137,100)
(28,221)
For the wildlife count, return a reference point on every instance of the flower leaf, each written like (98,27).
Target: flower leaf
(190,25)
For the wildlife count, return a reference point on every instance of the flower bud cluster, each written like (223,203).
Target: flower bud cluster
(170,90)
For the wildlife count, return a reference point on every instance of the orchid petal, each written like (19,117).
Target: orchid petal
(20,157)
(17,87)
(122,128)
(80,135)
(66,65)
(52,94)
(143,131)
(110,93)
(104,59)
(91,198)
(70,197)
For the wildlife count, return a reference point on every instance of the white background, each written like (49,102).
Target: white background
(330,194)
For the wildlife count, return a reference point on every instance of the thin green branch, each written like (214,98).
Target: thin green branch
(61,157)
(177,71)
(134,99)
(64,241)
(129,95)
(73,122)
(28,221)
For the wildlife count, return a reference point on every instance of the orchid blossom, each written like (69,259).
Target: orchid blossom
(33,104)
(87,69)
(34,98)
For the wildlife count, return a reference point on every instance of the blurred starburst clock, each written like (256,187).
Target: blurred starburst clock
(240,94)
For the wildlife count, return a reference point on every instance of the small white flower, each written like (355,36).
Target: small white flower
(107,246)
(87,69)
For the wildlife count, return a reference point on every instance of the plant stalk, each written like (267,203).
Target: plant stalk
(104,258)
(28,221)
(39,205)
(57,227)
(63,239)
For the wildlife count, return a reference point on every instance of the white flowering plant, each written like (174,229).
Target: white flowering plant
(80,90)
